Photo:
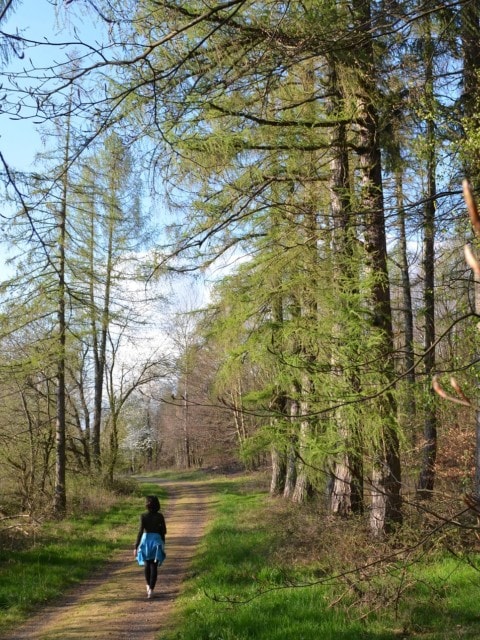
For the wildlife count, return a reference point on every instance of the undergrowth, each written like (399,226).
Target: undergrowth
(271,570)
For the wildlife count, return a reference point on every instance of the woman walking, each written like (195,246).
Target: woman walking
(150,543)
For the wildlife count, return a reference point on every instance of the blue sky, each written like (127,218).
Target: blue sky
(35,20)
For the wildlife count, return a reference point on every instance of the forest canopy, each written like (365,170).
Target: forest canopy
(318,150)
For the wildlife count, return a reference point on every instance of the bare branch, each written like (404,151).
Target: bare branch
(437,387)
(471,206)
(472,261)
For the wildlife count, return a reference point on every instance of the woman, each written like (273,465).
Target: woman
(150,544)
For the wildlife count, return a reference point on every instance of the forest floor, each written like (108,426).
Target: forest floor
(112,604)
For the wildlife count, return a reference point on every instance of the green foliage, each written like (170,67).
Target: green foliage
(248,107)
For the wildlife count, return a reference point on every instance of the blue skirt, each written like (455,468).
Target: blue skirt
(151,547)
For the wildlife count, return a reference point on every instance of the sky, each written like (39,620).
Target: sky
(35,20)
(20,140)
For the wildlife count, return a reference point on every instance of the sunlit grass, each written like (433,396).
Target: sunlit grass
(241,589)
(444,601)
(240,585)
(233,568)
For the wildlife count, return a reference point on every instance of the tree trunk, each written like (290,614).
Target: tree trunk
(98,367)
(60,499)
(291,474)
(341,493)
(291,470)
(408,412)
(113,453)
(186,434)
(386,479)
(279,471)
(346,494)
(100,333)
(303,487)
(60,494)
(427,474)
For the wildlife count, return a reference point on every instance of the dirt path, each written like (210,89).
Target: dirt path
(113,605)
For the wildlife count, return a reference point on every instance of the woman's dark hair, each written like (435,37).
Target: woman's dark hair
(153,504)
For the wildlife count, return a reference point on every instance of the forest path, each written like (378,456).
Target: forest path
(112,605)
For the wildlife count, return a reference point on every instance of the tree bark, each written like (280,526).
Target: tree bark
(429,449)
(346,494)
(386,510)
(279,471)
(409,409)
(60,493)
(291,470)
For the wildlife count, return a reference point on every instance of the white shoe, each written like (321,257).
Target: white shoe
(149,592)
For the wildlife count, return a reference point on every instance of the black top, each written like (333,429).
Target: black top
(151,523)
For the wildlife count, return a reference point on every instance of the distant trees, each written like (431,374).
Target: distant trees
(74,293)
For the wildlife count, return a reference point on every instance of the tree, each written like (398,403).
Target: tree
(114,220)
(80,266)
(48,253)
(347,481)
(267,121)
(60,498)
(427,474)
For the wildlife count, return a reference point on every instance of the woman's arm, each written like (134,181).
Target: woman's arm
(163,525)
(139,534)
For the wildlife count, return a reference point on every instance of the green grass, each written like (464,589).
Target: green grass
(64,553)
(238,589)
(234,564)
(445,602)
